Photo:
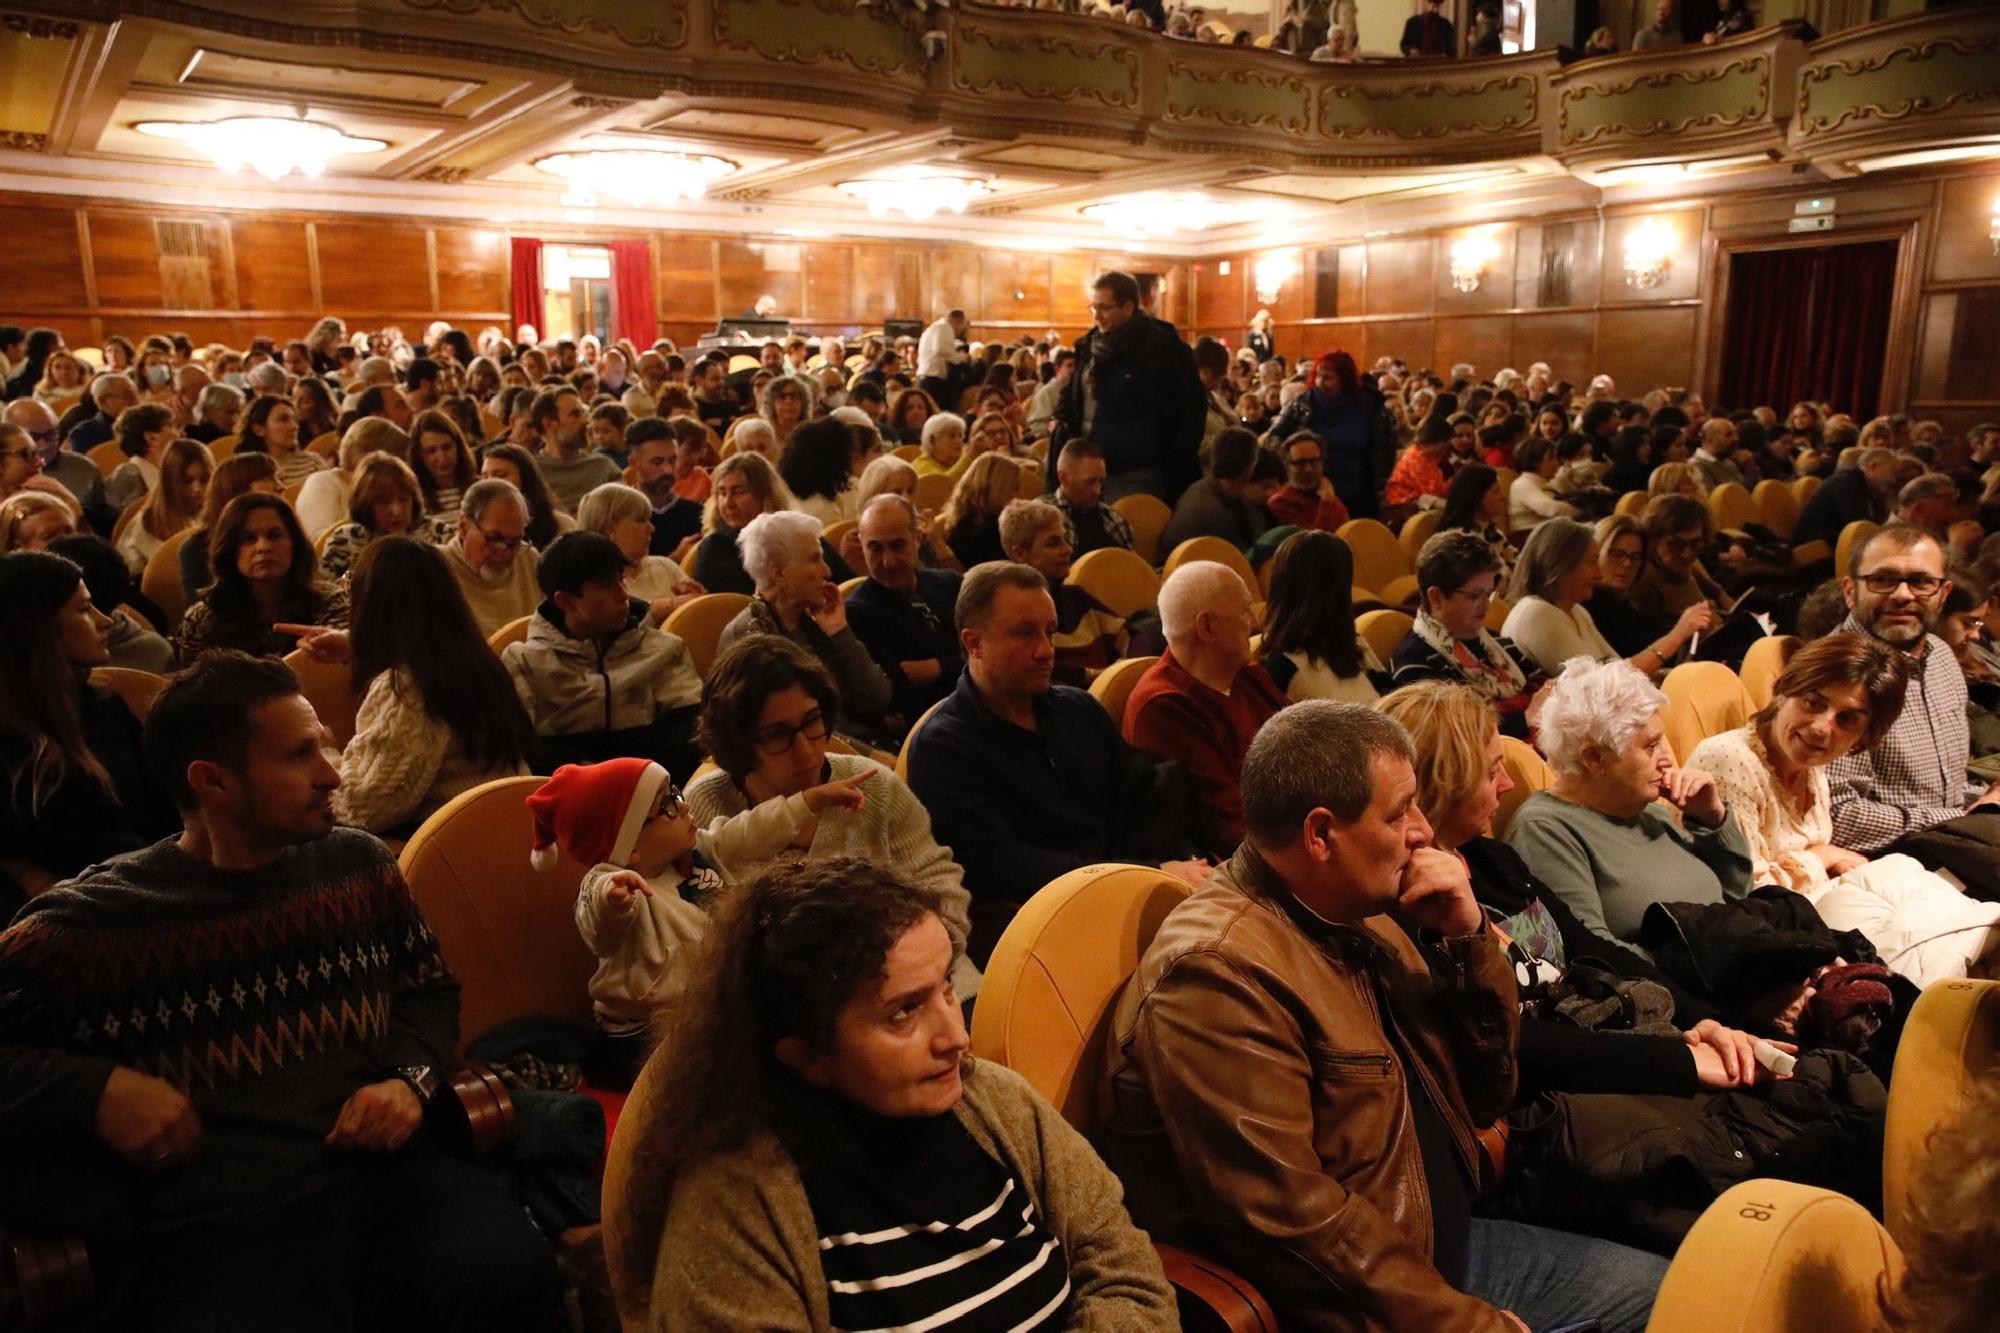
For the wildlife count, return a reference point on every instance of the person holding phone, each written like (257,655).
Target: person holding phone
(798,601)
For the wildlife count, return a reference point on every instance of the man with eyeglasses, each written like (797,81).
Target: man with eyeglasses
(1136,393)
(1894,797)
(903,613)
(68,476)
(490,557)
(1300,502)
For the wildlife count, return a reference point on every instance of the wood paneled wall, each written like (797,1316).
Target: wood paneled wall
(93,268)
(1394,295)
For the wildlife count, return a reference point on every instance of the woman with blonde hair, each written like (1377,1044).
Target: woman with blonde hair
(1674,479)
(30,520)
(744,486)
(993,433)
(386,501)
(1259,341)
(625,515)
(324,499)
(971,517)
(63,376)
(174,504)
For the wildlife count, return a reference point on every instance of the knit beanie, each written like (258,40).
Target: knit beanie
(1839,991)
(594,811)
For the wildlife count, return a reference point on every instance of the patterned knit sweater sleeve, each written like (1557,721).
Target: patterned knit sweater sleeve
(393,760)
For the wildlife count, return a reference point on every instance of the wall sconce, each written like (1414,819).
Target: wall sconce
(1470,258)
(1994,229)
(1648,254)
(1269,275)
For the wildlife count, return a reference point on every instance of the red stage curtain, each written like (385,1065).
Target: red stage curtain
(1808,323)
(527,285)
(633,314)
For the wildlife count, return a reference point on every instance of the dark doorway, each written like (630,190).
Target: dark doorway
(1808,322)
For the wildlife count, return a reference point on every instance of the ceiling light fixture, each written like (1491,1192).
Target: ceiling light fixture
(1144,215)
(1470,258)
(635,177)
(1648,254)
(270,145)
(917,197)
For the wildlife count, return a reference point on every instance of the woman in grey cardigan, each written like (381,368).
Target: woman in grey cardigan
(1623,827)
(766,719)
(816,1150)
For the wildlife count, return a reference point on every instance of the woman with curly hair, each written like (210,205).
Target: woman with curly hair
(786,401)
(817,463)
(909,409)
(816,1097)
(970,519)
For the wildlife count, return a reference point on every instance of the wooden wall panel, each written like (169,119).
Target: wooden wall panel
(750,269)
(1965,250)
(372,268)
(829,284)
(1566,341)
(1496,285)
(1933,366)
(1484,341)
(41,265)
(472,271)
(1641,349)
(273,265)
(1399,276)
(1220,299)
(127,260)
(888,284)
(952,281)
(684,275)
(1412,339)
(1014,287)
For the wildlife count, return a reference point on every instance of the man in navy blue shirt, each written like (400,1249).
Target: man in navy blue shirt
(904,613)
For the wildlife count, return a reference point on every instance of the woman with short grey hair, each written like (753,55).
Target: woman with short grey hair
(798,601)
(625,515)
(1623,827)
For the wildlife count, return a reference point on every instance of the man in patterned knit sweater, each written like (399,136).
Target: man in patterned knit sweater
(250,1018)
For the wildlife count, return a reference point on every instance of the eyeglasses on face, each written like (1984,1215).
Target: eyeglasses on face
(496,539)
(1680,545)
(672,802)
(774,741)
(1883,582)
(1614,556)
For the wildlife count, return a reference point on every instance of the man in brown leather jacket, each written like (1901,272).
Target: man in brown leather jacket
(1298,1075)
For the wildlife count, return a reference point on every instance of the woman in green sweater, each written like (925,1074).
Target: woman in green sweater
(818,1151)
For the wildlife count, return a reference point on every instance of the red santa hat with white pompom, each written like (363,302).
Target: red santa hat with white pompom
(594,812)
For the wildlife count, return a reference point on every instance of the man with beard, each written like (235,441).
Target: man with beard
(652,445)
(1915,779)
(1135,392)
(490,557)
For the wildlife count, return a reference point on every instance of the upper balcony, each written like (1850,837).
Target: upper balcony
(1052,111)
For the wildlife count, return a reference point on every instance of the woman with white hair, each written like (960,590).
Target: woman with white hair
(942,452)
(625,515)
(798,601)
(753,435)
(742,487)
(1605,836)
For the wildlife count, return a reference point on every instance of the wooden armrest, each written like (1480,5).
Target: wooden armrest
(477,1119)
(44,1280)
(1212,1299)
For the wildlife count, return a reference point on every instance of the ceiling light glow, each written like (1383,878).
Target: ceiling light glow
(635,177)
(917,197)
(1145,215)
(270,145)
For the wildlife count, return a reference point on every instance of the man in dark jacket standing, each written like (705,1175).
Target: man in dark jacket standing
(1136,395)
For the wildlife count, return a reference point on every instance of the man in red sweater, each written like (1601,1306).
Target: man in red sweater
(1299,501)
(1204,700)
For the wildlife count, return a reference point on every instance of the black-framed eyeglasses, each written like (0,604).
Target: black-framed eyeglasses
(503,542)
(45,436)
(774,741)
(1314,461)
(672,802)
(1614,556)
(1886,581)
(17,453)
(1680,545)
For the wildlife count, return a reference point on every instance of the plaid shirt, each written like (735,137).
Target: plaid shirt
(1916,777)
(1116,526)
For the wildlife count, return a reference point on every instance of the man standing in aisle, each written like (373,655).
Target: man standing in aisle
(1135,392)
(940,360)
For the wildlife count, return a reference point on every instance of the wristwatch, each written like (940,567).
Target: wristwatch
(423,1080)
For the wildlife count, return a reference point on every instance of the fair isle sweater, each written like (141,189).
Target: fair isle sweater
(402,763)
(268,996)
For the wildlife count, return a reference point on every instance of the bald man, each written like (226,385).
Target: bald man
(1204,700)
(78,476)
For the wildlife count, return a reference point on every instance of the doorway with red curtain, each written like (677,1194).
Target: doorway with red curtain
(1808,322)
(633,312)
(526,283)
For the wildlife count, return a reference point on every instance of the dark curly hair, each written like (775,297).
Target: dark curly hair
(818,459)
(784,955)
(755,668)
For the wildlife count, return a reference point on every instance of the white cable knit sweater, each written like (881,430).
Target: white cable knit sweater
(402,763)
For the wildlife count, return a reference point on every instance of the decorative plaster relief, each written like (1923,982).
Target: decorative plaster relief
(1047,65)
(806,32)
(1430,110)
(1673,101)
(1920,80)
(659,26)
(1241,97)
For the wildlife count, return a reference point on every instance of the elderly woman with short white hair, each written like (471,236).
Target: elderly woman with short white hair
(753,435)
(798,601)
(1606,837)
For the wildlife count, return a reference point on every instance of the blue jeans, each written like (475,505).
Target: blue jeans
(1552,1279)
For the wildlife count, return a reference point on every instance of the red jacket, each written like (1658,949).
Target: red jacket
(1171,715)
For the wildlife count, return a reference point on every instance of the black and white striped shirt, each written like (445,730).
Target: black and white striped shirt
(923,1230)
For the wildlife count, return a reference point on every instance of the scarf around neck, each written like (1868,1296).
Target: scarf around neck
(1487,667)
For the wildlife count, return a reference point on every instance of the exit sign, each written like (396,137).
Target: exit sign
(1822,222)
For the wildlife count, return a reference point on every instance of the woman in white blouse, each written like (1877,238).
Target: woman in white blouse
(1558,571)
(1839,694)
(1532,498)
